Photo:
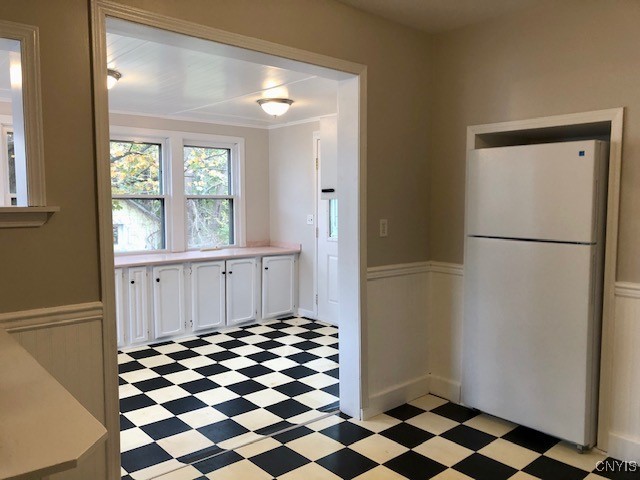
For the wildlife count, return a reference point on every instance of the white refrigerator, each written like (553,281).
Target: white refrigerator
(533,273)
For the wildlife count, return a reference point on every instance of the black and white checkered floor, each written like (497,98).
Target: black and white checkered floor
(429,438)
(221,390)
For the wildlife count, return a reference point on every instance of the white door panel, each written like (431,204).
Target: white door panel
(207,295)
(542,191)
(241,290)
(278,275)
(168,300)
(327,255)
(527,333)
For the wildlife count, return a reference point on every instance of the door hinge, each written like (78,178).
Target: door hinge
(317,233)
(317,164)
(316,298)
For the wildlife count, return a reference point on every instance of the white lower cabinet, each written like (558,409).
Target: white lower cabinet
(207,295)
(241,290)
(278,285)
(138,305)
(168,300)
(172,300)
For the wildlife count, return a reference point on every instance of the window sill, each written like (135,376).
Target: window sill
(25,217)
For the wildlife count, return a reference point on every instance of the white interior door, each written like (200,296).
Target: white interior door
(327,268)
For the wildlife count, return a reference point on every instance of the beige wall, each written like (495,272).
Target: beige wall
(397,60)
(58,263)
(256,144)
(563,57)
(292,191)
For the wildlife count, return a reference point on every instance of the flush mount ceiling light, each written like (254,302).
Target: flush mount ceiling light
(112,78)
(275,106)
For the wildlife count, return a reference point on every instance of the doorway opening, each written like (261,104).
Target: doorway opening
(214,345)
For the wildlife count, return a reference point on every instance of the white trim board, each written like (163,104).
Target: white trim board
(50,316)
(352,104)
(627,289)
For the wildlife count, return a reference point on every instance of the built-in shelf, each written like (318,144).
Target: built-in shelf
(43,428)
(25,217)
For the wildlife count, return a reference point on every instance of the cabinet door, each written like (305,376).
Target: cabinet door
(121,334)
(168,300)
(241,290)
(278,294)
(138,304)
(207,295)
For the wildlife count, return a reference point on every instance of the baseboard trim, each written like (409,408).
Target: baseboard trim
(307,313)
(445,388)
(623,447)
(398,270)
(51,316)
(396,395)
(627,289)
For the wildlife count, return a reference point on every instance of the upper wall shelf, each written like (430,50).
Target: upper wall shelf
(21,217)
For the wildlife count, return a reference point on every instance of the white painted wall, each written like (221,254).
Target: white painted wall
(256,188)
(292,197)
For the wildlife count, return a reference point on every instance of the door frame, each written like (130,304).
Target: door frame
(351,186)
(614,117)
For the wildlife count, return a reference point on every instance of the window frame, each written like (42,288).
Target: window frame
(233,187)
(164,182)
(6,127)
(172,158)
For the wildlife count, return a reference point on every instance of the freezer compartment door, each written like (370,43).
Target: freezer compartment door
(528,326)
(546,192)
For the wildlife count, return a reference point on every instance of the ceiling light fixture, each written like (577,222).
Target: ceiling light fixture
(112,78)
(275,106)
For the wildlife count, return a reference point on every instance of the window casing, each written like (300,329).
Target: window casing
(201,181)
(138,200)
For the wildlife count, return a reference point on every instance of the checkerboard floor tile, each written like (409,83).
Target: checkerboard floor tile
(231,405)
(401,444)
(187,399)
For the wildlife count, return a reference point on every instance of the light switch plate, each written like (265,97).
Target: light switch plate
(384,230)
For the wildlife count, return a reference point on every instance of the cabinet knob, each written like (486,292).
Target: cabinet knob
(266,268)
(230,272)
(158,280)
(224,273)
(132,282)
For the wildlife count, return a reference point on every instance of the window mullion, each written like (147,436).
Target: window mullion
(178,227)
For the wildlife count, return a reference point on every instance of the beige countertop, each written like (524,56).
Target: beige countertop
(43,428)
(201,256)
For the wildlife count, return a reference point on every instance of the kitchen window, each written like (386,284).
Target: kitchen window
(174,192)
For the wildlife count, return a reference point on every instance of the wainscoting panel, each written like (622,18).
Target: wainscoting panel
(67,342)
(624,431)
(397,343)
(445,329)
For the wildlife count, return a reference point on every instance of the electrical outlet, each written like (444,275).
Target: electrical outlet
(384,230)
(309,219)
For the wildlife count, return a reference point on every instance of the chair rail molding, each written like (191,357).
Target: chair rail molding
(51,316)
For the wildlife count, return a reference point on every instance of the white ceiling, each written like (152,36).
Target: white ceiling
(439,15)
(169,75)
